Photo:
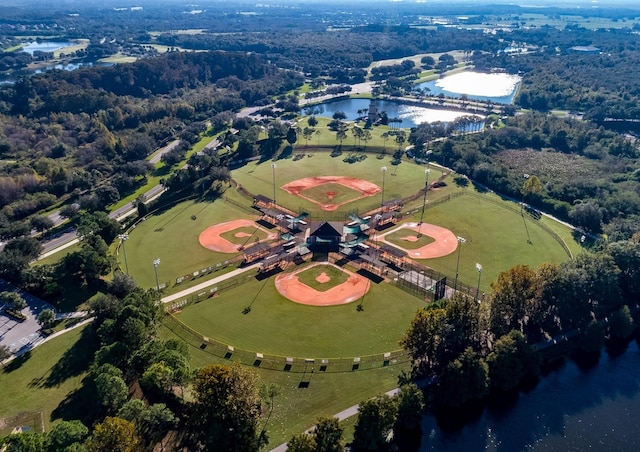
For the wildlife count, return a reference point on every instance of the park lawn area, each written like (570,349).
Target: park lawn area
(244,236)
(55,257)
(331,193)
(42,378)
(328,393)
(309,276)
(172,237)
(496,237)
(400,180)
(398,238)
(277,326)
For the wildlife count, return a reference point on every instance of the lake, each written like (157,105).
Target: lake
(499,88)
(411,115)
(46,46)
(570,409)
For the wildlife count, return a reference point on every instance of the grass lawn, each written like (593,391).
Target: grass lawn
(399,180)
(398,238)
(496,237)
(277,326)
(173,238)
(309,276)
(42,378)
(331,193)
(298,409)
(244,236)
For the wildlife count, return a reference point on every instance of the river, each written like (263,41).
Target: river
(569,410)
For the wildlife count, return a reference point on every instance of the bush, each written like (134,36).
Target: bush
(16,315)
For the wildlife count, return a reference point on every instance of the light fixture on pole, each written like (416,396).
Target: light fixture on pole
(424,199)
(123,238)
(461,240)
(273,171)
(384,172)
(156,262)
(479,269)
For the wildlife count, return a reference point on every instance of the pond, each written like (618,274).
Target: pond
(411,115)
(498,88)
(46,46)
(570,409)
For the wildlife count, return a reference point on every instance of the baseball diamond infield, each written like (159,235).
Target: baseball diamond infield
(445,241)
(363,187)
(212,239)
(291,288)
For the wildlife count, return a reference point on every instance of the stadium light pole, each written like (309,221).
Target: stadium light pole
(479,269)
(461,241)
(424,199)
(156,262)
(273,171)
(123,238)
(384,172)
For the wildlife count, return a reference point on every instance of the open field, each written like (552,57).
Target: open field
(399,180)
(280,327)
(172,237)
(297,409)
(42,378)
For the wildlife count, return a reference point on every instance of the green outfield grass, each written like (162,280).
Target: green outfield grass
(309,276)
(399,180)
(281,327)
(397,238)
(172,237)
(331,193)
(244,236)
(41,379)
(496,237)
(296,409)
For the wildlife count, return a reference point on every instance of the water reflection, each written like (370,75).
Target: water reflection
(411,115)
(499,88)
(570,409)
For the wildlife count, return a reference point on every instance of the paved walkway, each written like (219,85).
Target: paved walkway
(211,282)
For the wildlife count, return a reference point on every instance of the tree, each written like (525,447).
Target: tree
(122,284)
(30,441)
(511,293)
(156,421)
(341,135)
(13,300)
(65,434)
(410,407)
(587,215)
(424,340)
(292,136)
(226,409)
(112,391)
(132,411)
(157,377)
(374,423)
(532,188)
(114,435)
(307,133)
(511,360)
(5,352)
(41,223)
(621,324)
(464,379)
(626,255)
(46,318)
(366,137)
(328,435)
(302,442)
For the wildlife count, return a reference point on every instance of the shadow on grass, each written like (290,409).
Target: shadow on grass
(18,362)
(75,361)
(79,404)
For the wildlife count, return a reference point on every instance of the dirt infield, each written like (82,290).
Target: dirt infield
(210,238)
(365,188)
(352,289)
(445,241)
